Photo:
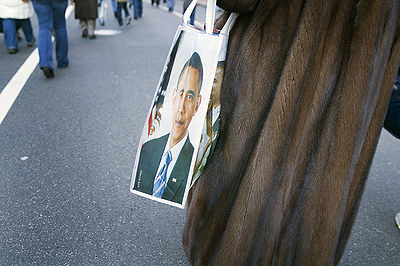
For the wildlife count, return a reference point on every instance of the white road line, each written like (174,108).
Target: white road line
(17,82)
(11,91)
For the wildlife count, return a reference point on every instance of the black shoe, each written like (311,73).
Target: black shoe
(12,51)
(135,18)
(48,72)
(84,33)
(32,43)
(92,36)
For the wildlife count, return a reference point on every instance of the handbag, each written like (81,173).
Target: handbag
(102,12)
(182,125)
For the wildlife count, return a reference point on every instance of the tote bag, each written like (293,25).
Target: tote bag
(183,121)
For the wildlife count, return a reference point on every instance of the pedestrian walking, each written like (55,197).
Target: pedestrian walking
(15,14)
(51,15)
(87,13)
(122,4)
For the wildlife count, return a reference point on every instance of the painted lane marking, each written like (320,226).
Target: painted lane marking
(17,82)
(13,88)
(107,32)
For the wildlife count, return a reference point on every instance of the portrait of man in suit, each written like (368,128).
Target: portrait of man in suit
(164,162)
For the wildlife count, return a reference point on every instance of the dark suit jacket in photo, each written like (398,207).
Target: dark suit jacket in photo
(150,157)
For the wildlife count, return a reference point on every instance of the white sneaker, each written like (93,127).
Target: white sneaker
(397,219)
(128,20)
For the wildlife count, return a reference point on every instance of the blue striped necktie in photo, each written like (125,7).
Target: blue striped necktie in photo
(161,180)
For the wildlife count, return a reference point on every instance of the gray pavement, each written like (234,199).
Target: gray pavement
(67,148)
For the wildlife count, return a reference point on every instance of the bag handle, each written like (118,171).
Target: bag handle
(210,17)
(210,14)
(229,23)
(188,12)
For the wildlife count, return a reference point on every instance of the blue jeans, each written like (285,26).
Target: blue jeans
(114,5)
(51,15)
(10,32)
(171,4)
(137,8)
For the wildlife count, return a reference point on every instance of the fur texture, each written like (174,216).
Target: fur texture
(304,95)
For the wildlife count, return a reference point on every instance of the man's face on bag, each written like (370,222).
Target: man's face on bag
(186,101)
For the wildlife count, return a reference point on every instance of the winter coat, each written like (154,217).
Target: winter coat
(303,98)
(86,9)
(15,9)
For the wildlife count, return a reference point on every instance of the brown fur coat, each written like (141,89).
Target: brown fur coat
(304,95)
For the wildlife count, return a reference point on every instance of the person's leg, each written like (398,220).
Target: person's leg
(136,9)
(44,14)
(127,16)
(119,14)
(170,4)
(60,30)
(84,27)
(114,6)
(392,119)
(27,29)
(126,10)
(91,27)
(140,8)
(10,35)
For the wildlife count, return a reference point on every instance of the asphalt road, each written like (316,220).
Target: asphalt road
(67,148)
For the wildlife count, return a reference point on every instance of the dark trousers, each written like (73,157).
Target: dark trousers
(392,120)
(121,6)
